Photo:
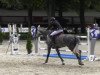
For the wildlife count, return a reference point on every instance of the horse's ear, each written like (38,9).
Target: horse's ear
(38,27)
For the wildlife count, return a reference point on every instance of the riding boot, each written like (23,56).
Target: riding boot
(52,40)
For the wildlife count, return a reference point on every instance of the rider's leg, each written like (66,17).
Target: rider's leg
(56,32)
(52,36)
(53,39)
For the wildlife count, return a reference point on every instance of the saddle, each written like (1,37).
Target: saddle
(53,39)
(60,33)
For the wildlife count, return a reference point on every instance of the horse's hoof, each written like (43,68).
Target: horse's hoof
(44,63)
(63,63)
(81,64)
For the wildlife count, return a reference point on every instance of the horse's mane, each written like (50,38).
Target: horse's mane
(41,31)
(44,31)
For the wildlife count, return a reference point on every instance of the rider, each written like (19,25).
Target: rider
(55,27)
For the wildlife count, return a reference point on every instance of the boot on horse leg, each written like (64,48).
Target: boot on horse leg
(78,55)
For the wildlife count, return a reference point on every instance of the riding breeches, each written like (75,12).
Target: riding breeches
(56,32)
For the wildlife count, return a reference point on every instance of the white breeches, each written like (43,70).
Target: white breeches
(56,32)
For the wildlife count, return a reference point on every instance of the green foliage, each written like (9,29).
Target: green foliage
(23,4)
(95,4)
(5,36)
(23,36)
(63,4)
(31,3)
(1,37)
(11,4)
(29,43)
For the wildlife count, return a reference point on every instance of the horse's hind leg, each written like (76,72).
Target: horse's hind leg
(49,50)
(58,52)
(77,52)
(78,55)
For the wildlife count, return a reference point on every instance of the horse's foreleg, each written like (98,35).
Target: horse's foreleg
(49,50)
(58,52)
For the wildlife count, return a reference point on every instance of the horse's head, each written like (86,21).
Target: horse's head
(41,32)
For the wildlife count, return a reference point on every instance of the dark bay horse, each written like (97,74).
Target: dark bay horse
(62,40)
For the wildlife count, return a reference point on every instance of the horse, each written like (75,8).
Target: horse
(62,40)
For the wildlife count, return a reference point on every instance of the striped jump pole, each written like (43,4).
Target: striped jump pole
(14,37)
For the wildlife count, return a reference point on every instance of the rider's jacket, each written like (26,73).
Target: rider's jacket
(54,25)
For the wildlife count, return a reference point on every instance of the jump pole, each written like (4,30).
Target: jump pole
(89,43)
(36,43)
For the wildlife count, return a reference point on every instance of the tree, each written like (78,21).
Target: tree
(94,4)
(61,6)
(81,14)
(1,36)
(11,4)
(29,43)
(80,6)
(30,5)
(49,6)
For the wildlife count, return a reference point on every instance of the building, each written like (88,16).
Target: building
(40,17)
